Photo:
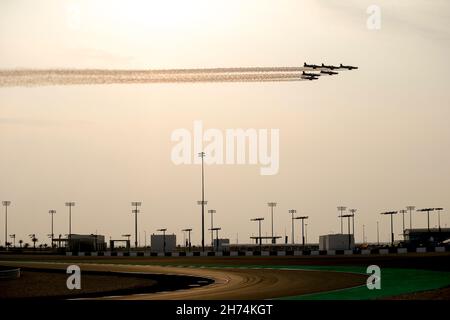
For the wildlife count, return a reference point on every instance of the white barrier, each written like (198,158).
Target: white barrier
(439,249)
(315,252)
(402,250)
(331,252)
(298,253)
(421,250)
(365,251)
(234,253)
(248,253)
(384,251)
(281,253)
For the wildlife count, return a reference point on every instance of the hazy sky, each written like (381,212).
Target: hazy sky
(374,139)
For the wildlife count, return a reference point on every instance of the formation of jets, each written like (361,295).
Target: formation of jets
(324,69)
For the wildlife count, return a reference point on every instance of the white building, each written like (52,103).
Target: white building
(336,242)
(157,242)
(224,244)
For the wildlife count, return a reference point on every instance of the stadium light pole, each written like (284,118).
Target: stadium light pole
(163,230)
(303,227)
(391,213)
(259,222)
(216,229)
(292,212)
(6,204)
(364,233)
(439,217)
(70,205)
(135,204)
(189,236)
(271,206)
(348,216)
(378,233)
(341,209)
(403,211)
(410,209)
(427,210)
(52,212)
(353,211)
(306,233)
(212,212)
(203,202)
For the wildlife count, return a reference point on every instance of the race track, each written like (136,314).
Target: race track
(229,283)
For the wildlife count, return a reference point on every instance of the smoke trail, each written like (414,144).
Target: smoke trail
(48,77)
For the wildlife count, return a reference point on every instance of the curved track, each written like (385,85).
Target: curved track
(229,283)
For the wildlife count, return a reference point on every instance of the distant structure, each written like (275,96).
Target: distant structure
(157,242)
(426,236)
(85,243)
(336,242)
(222,244)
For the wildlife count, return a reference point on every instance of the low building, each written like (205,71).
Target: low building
(222,244)
(336,242)
(86,243)
(163,243)
(425,236)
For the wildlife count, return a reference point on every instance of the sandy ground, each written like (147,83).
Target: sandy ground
(41,284)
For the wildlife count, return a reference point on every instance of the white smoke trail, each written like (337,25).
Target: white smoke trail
(49,77)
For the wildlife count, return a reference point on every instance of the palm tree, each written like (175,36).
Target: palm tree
(20,243)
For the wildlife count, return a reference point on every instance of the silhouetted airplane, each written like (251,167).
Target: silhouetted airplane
(330,73)
(309,78)
(331,67)
(308,74)
(347,67)
(314,66)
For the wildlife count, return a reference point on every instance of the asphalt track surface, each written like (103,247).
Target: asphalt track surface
(229,283)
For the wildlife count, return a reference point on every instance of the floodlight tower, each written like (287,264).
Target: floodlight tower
(70,205)
(212,212)
(217,236)
(163,230)
(303,227)
(403,211)
(259,222)
(189,236)
(427,210)
(6,204)
(352,212)
(135,204)
(292,212)
(203,202)
(391,213)
(306,233)
(271,206)
(52,212)
(439,217)
(348,216)
(341,209)
(410,209)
